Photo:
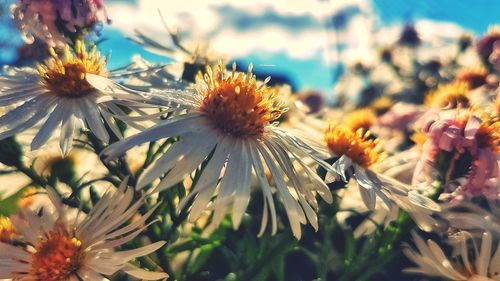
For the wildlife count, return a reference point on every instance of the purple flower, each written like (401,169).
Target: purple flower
(54,20)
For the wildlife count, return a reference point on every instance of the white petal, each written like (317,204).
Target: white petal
(422,201)
(186,165)
(67,132)
(48,128)
(242,192)
(94,120)
(143,274)
(207,182)
(174,127)
(266,189)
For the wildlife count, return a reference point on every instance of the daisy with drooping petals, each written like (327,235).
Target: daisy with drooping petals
(358,155)
(228,123)
(59,95)
(60,247)
(477,265)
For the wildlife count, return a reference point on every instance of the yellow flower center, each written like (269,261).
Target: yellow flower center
(453,95)
(65,76)
(237,105)
(57,257)
(357,145)
(7,230)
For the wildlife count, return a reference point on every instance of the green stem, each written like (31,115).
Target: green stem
(38,180)
(285,245)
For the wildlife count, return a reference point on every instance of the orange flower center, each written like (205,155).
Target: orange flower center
(7,230)
(57,257)
(66,77)
(237,105)
(356,145)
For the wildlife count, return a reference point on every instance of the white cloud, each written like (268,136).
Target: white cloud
(297,28)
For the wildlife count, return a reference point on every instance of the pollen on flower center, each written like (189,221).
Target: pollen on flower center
(7,230)
(237,105)
(66,76)
(57,257)
(356,145)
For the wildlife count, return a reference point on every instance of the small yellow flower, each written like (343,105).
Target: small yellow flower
(452,95)
(357,145)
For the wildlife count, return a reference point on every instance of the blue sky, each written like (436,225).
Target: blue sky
(306,53)
(312,71)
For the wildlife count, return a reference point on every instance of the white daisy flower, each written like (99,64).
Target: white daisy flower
(58,94)
(61,247)
(481,264)
(228,123)
(358,153)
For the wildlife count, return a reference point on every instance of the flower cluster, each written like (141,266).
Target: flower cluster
(149,172)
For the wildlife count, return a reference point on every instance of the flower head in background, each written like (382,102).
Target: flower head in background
(54,21)
(229,124)
(479,264)
(358,155)
(399,117)
(362,119)
(487,44)
(313,100)
(58,94)
(61,247)
(452,95)
(464,149)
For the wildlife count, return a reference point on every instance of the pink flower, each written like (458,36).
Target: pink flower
(465,151)
(53,20)
(399,117)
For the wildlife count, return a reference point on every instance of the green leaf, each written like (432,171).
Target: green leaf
(9,205)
